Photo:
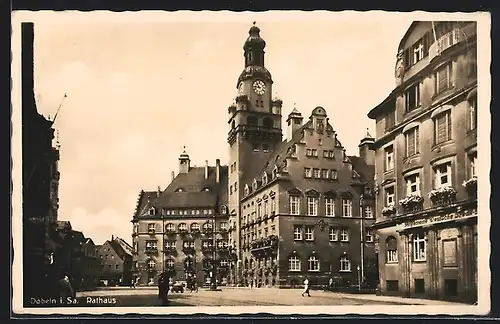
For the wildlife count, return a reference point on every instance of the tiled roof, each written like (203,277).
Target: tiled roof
(120,251)
(192,193)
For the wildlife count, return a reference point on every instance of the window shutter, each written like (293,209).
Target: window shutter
(443,79)
(407,58)
(417,145)
(426,41)
(410,142)
(441,129)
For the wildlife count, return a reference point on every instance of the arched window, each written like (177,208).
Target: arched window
(247,190)
(345,264)
(264,178)
(207,226)
(182,226)
(255,184)
(195,227)
(294,263)
(313,263)
(170,227)
(252,120)
(267,122)
(152,211)
(391,246)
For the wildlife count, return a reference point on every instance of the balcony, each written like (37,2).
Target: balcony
(450,39)
(412,203)
(443,196)
(267,245)
(471,186)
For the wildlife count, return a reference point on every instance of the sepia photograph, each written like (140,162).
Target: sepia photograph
(248,162)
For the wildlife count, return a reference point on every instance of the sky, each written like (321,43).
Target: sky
(138,91)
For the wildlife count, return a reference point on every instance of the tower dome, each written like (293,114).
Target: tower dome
(254,41)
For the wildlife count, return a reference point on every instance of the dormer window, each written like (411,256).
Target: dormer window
(179,190)
(152,211)
(206,189)
(224,210)
(247,190)
(275,172)
(264,178)
(255,184)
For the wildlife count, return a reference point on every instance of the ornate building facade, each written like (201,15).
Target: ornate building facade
(426,152)
(297,203)
(184,229)
(281,209)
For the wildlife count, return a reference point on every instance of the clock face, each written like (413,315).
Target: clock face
(259,87)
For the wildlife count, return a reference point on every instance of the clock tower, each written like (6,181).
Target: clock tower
(254,122)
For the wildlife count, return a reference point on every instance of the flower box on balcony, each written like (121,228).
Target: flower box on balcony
(443,195)
(471,186)
(412,203)
(389,210)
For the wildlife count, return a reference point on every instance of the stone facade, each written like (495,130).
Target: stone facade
(426,152)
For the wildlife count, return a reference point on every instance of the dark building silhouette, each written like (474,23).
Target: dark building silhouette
(39,178)
(116,262)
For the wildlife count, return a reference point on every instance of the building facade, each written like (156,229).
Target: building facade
(296,203)
(116,262)
(91,268)
(283,209)
(40,176)
(184,229)
(426,152)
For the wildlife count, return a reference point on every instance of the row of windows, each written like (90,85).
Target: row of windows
(320,174)
(167,212)
(312,152)
(419,250)
(253,235)
(313,203)
(442,177)
(313,264)
(442,122)
(335,234)
(170,227)
(170,263)
(152,244)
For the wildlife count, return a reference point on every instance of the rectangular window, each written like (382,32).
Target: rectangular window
(294,264)
(329,207)
(259,210)
(472,165)
(412,142)
(450,253)
(266,207)
(294,205)
(392,285)
(392,256)
(265,147)
(328,154)
(345,264)
(316,174)
(419,247)
(346,207)
(312,206)
(418,51)
(333,174)
(412,184)
(368,235)
(443,78)
(325,174)
(442,127)
(223,225)
(297,233)
(273,205)
(307,172)
(472,114)
(419,286)
(389,158)
(368,212)
(412,97)
(309,233)
(442,175)
(344,235)
(151,227)
(390,120)
(315,152)
(333,234)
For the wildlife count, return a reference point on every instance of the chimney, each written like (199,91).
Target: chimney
(173,175)
(366,151)
(217,170)
(112,238)
(159,191)
(184,162)
(206,169)
(27,67)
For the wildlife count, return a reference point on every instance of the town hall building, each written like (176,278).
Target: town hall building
(280,211)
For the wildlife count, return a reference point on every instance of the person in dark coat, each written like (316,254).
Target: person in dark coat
(163,287)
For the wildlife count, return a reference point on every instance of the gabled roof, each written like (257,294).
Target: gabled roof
(193,193)
(119,249)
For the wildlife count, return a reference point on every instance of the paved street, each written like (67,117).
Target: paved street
(126,297)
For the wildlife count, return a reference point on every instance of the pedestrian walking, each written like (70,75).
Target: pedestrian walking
(306,288)
(163,286)
(330,284)
(64,288)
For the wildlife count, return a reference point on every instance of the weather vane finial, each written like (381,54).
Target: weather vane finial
(254,23)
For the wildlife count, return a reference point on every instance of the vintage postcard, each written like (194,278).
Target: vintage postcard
(229,163)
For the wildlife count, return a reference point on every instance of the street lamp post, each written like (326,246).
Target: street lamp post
(359,278)
(362,237)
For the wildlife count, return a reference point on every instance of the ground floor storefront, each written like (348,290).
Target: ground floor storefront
(433,255)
